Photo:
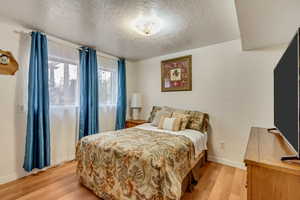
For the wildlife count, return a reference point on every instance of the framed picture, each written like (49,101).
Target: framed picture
(176,74)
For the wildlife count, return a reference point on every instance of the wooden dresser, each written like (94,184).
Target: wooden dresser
(268,178)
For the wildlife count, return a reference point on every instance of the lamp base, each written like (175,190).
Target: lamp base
(135,113)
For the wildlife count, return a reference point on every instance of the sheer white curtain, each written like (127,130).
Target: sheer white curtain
(22,79)
(64,99)
(64,96)
(107,92)
(21,101)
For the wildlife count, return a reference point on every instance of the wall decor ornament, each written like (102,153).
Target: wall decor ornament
(176,74)
(8,64)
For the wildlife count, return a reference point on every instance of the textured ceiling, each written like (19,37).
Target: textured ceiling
(268,22)
(106,24)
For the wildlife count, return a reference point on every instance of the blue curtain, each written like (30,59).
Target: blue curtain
(37,152)
(121,101)
(88,119)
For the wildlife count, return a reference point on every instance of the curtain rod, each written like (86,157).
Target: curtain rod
(67,43)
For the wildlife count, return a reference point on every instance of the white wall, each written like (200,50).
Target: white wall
(235,87)
(12,118)
(11,121)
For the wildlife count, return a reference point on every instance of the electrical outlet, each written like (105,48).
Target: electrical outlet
(222,145)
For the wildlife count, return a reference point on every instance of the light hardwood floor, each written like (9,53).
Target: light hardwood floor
(218,182)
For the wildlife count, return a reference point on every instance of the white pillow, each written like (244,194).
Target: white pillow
(159,115)
(172,124)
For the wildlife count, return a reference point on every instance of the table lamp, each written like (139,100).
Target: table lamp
(136,105)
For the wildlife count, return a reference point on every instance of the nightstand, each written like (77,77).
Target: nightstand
(132,123)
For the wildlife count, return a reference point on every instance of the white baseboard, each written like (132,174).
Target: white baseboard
(226,162)
(10,177)
(15,176)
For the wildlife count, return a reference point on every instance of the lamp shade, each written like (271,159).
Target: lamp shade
(136,100)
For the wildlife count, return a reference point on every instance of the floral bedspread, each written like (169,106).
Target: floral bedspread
(134,164)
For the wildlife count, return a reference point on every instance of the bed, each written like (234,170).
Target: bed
(140,163)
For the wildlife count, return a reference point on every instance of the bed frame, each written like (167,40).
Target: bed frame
(192,178)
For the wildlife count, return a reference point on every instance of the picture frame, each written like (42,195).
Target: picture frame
(176,74)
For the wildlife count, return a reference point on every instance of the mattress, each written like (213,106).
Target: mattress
(199,139)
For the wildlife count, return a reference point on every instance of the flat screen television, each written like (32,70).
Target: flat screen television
(286,96)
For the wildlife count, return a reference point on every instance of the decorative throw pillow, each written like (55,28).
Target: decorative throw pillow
(184,119)
(155,109)
(198,121)
(170,109)
(159,115)
(167,123)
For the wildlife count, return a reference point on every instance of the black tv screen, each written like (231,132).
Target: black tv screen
(286,94)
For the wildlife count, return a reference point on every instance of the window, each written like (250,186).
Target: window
(63,82)
(107,86)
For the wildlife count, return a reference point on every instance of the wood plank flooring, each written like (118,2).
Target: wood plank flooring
(218,182)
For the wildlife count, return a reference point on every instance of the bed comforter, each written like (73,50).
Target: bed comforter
(134,164)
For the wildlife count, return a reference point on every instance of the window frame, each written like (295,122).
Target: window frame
(69,62)
(114,77)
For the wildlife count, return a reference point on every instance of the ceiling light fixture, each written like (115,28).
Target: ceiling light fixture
(147,25)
